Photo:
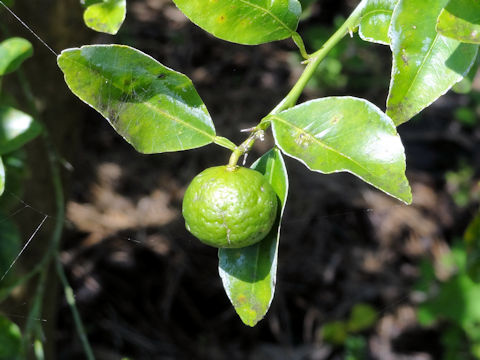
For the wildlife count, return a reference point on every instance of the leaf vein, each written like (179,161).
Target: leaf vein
(269,13)
(322,144)
(146,104)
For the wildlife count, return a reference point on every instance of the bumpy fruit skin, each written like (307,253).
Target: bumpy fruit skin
(229,208)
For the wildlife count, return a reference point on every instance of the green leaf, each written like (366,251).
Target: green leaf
(249,274)
(106,16)
(2,177)
(362,317)
(345,134)
(460,20)
(457,300)
(335,332)
(375,21)
(425,64)
(15,171)
(13,52)
(153,107)
(224,142)
(248,22)
(16,129)
(10,340)
(465,85)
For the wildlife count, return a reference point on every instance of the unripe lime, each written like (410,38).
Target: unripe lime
(229,208)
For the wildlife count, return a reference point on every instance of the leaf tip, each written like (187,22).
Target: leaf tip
(406,196)
(249,317)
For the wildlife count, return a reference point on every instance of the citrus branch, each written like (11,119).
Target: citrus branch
(313,61)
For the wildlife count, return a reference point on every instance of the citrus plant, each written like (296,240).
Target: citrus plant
(156,109)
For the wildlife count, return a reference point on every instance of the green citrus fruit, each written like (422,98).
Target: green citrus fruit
(229,208)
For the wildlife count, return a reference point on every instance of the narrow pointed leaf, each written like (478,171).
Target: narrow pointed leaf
(460,20)
(375,21)
(249,274)
(153,107)
(247,22)
(425,64)
(16,129)
(345,134)
(2,177)
(13,52)
(106,16)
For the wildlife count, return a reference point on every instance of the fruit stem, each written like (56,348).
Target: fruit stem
(243,148)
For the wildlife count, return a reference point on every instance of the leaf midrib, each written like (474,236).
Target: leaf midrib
(176,119)
(267,11)
(322,144)
(420,68)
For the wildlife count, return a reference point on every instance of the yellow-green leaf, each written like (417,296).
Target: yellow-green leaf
(375,21)
(247,22)
(16,129)
(460,20)
(106,16)
(345,134)
(425,64)
(13,52)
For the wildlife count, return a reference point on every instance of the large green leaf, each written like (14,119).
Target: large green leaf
(249,274)
(460,20)
(425,64)
(16,129)
(10,340)
(13,52)
(345,134)
(375,21)
(153,107)
(106,16)
(2,177)
(247,22)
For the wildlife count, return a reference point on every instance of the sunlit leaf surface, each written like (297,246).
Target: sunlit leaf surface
(425,64)
(153,107)
(247,22)
(345,134)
